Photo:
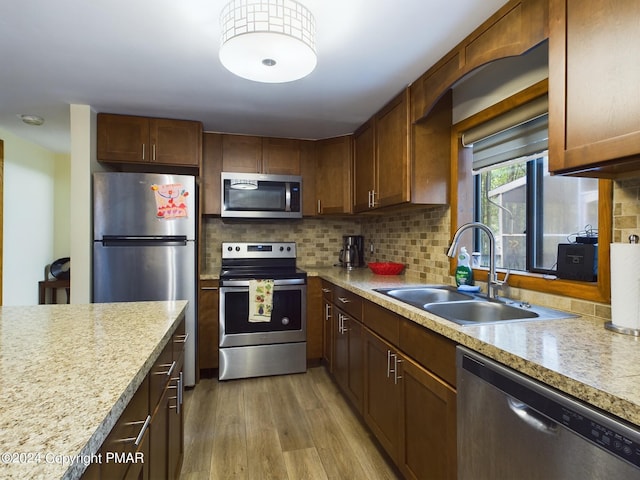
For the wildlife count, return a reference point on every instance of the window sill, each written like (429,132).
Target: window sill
(591,291)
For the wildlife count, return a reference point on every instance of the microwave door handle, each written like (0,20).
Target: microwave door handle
(287,197)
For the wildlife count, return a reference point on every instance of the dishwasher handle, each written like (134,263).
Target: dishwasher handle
(532,418)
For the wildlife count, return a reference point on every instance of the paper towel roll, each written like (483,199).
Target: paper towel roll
(625,285)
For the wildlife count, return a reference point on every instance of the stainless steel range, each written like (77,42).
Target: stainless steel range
(273,345)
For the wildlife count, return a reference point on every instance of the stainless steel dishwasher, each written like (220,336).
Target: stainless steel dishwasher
(513,427)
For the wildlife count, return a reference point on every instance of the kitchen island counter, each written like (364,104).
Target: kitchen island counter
(575,355)
(68,372)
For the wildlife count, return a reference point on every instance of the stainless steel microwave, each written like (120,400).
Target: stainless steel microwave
(254,195)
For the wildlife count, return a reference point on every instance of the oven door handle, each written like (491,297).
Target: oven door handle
(278,282)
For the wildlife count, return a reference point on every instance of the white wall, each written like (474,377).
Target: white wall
(83,163)
(32,208)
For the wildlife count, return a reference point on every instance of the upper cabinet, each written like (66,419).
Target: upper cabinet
(251,154)
(381,158)
(396,162)
(136,140)
(594,98)
(333,175)
(515,28)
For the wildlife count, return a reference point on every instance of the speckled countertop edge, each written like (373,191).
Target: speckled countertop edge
(65,378)
(577,356)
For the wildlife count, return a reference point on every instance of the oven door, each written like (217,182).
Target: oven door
(288,317)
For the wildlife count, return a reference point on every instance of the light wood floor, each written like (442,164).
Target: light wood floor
(290,427)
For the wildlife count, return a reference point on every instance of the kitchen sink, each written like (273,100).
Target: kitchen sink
(468,308)
(419,296)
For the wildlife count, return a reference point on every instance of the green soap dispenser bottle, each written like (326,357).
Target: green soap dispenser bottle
(464,273)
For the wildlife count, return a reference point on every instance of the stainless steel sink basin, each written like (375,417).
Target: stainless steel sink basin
(470,309)
(418,296)
(479,311)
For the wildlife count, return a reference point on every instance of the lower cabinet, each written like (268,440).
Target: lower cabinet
(147,441)
(208,325)
(407,395)
(348,361)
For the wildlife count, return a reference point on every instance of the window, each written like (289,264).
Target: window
(529,211)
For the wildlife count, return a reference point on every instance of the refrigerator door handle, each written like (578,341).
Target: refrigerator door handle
(121,240)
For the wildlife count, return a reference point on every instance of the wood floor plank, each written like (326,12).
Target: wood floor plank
(290,427)
(304,464)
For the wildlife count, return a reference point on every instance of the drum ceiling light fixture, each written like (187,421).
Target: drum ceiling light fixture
(269,41)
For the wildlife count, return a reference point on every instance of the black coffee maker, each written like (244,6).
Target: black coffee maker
(352,253)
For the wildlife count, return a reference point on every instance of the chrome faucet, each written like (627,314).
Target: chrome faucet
(493,284)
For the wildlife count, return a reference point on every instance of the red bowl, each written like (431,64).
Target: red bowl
(386,268)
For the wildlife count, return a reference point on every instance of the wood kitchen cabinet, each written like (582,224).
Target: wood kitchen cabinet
(397,163)
(594,99)
(208,325)
(210,173)
(513,30)
(143,140)
(327,324)
(381,158)
(348,342)
(315,321)
(333,175)
(252,154)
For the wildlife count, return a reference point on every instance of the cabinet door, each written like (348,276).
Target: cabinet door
(327,342)
(364,171)
(175,422)
(594,97)
(208,324)
(241,154)
(308,170)
(315,322)
(123,138)
(281,156)
(175,142)
(211,169)
(333,179)
(428,449)
(382,398)
(340,349)
(392,152)
(355,386)
(158,438)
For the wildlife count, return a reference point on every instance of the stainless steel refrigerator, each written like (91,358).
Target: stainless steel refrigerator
(144,249)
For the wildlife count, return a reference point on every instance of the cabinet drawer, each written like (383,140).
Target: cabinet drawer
(132,426)
(161,372)
(348,301)
(382,321)
(327,291)
(178,341)
(431,350)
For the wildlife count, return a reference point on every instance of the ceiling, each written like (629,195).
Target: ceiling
(160,58)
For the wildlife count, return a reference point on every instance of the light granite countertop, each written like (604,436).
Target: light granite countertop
(68,372)
(575,355)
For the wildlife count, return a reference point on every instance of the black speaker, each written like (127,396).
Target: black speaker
(578,261)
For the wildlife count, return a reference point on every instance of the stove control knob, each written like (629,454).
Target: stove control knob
(285,320)
(288,249)
(237,249)
(281,248)
(230,249)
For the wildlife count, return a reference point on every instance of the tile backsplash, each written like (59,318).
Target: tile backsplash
(418,238)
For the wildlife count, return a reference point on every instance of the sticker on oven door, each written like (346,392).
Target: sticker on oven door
(170,201)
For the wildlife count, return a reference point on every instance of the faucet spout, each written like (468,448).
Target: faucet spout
(493,282)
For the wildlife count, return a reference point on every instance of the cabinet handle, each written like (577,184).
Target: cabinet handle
(214,289)
(327,312)
(344,329)
(178,397)
(396,377)
(388,363)
(319,208)
(373,198)
(168,372)
(181,338)
(344,299)
(326,290)
(153,154)
(143,151)
(136,440)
